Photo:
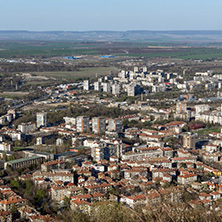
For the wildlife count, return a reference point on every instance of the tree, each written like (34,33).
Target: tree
(14,183)
(13,208)
(40,194)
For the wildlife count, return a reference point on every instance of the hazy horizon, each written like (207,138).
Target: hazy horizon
(115,15)
(101,30)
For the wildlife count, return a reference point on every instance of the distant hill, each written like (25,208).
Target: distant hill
(203,36)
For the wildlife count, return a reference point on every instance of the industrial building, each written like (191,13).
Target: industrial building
(24,162)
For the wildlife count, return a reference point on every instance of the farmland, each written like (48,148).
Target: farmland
(82,73)
(44,49)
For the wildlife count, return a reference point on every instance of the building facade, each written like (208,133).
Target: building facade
(98,125)
(41,119)
(82,124)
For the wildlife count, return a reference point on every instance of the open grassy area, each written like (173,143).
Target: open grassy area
(29,48)
(131,49)
(13,95)
(208,130)
(82,73)
(180,53)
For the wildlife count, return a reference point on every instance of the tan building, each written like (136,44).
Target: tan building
(5,216)
(16,201)
(189,141)
(54,164)
(59,193)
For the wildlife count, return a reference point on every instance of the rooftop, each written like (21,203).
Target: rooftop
(23,159)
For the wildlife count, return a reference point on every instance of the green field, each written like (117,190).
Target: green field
(82,73)
(187,53)
(14,95)
(28,48)
(208,130)
(124,49)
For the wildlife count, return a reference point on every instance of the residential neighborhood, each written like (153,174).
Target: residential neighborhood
(101,150)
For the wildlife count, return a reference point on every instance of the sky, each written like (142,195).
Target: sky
(115,15)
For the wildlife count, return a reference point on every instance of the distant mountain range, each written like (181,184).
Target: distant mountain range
(202,36)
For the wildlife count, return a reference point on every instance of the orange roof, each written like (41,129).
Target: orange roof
(80,202)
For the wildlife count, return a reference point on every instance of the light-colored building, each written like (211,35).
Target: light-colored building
(131,90)
(98,153)
(116,89)
(27,127)
(115,125)
(82,124)
(202,108)
(107,87)
(136,69)
(6,147)
(41,119)
(98,125)
(86,85)
(187,178)
(39,141)
(181,107)
(69,120)
(189,141)
(145,69)
(54,164)
(59,142)
(97,86)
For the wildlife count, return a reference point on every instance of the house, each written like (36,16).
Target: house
(215,195)
(5,216)
(188,178)
(55,164)
(153,197)
(147,185)
(114,174)
(129,174)
(98,188)
(17,201)
(183,153)
(167,152)
(55,175)
(131,201)
(175,124)
(80,205)
(60,192)
(195,203)
(42,218)
(211,148)
(204,196)
(161,171)
(197,186)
